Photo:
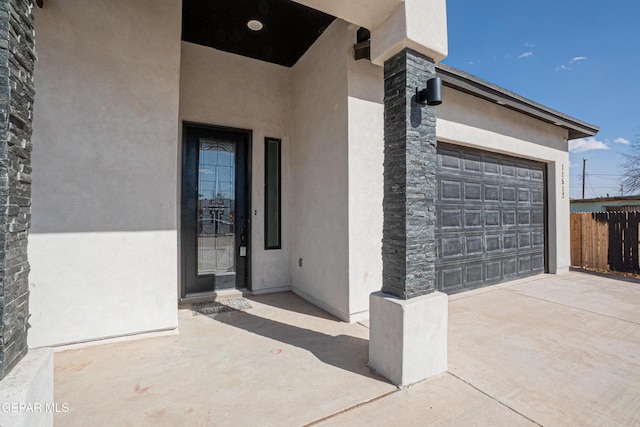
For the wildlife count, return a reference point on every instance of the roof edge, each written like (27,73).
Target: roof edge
(457,79)
(606,199)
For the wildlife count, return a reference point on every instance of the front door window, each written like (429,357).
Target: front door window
(216,207)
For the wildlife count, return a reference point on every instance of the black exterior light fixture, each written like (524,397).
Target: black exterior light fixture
(432,95)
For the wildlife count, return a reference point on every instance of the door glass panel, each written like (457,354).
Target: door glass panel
(272,194)
(216,207)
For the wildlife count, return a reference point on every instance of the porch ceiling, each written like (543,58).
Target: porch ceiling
(289,28)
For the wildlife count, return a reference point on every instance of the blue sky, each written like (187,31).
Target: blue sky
(581,57)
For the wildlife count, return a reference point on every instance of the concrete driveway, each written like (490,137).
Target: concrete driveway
(549,350)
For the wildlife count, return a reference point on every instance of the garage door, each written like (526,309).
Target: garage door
(490,225)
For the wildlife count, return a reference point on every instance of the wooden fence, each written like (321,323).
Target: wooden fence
(605,241)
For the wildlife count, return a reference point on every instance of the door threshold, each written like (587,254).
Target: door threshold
(222,294)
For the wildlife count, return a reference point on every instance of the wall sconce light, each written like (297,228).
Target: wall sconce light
(432,95)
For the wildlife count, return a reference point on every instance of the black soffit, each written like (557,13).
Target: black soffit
(289,28)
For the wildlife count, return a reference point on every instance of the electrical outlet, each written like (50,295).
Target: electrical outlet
(300,262)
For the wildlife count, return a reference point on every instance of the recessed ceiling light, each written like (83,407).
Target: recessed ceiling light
(255,25)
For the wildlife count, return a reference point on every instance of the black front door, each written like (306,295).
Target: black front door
(215,208)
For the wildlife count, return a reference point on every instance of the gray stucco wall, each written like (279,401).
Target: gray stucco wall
(102,246)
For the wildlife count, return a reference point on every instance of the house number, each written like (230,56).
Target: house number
(562,180)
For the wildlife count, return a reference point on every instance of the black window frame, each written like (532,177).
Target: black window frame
(267,200)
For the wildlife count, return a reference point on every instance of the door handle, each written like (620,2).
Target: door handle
(243,244)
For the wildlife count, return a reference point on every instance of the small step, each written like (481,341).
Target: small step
(228,294)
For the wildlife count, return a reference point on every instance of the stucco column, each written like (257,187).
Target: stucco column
(408,318)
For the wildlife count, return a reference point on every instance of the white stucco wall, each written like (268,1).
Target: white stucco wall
(395,24)
(319,172)
(470,121)
(223,89)
(103,241)
(420,25)
(366,189)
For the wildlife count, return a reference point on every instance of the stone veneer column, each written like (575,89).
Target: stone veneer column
(408,243)
(408,318)
(17,58)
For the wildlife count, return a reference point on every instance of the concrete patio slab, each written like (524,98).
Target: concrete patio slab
(617,297)
(548,350)
(441,401)
(537,348)
(283,362)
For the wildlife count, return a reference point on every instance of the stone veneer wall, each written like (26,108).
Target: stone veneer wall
(17,58)
(408,242)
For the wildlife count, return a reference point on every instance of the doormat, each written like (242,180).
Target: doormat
(211,308)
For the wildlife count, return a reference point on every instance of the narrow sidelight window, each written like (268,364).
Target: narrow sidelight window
(272,198)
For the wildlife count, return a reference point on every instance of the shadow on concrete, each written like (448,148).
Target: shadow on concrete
(290,301)
(342,351)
